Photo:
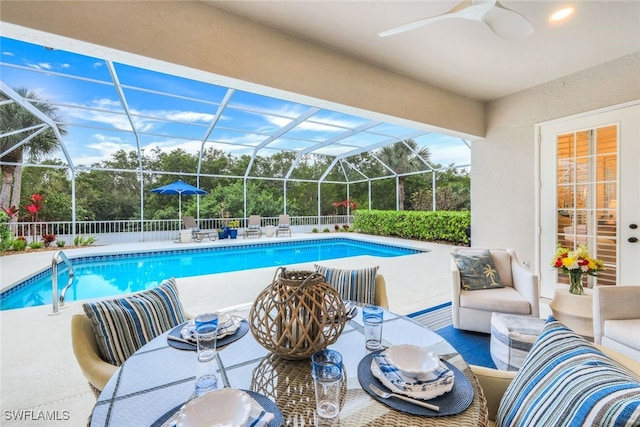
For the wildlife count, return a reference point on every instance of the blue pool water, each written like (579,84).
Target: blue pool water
(108,275)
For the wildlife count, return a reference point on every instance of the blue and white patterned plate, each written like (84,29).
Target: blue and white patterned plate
(182,344)
(454,402)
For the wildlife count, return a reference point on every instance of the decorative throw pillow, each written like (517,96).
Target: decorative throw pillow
(566,381)
(123,325)
(477,271)
(354,285)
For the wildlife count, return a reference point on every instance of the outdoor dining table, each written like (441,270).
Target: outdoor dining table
(156,380)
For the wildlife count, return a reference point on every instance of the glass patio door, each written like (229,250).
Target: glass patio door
(590,194)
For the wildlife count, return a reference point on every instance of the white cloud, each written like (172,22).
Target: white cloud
(445,155)
(102,149)
(117,121)
(107,103)
(250,139)
(183,116)
(168,145)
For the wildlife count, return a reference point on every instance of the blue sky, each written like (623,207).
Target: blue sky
(172,112)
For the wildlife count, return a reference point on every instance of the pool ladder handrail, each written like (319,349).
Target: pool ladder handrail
(58,302)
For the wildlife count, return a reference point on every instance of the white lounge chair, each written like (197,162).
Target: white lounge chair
(284,226)
(253,227)
(197,234)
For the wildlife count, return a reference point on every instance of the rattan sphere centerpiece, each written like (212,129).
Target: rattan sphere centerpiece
(297,314)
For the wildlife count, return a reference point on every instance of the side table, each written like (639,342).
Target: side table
(575,311)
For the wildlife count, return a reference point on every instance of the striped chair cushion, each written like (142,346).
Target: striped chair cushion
(354,285)
(123,325)
(566,381)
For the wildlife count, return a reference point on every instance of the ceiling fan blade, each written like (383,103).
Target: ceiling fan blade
(420,22)
(506,23)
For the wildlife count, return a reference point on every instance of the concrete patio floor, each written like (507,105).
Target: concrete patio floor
(39,371)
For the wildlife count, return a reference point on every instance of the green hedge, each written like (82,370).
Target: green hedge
(448,226)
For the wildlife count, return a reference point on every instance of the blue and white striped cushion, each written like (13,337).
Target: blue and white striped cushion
(354,285)
(123,325)
(566,381)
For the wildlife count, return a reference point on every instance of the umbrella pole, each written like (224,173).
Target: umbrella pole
(180,209)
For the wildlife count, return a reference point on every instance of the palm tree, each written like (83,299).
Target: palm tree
(14,117)
(404,157)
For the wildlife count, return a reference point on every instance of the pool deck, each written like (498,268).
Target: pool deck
(39,370)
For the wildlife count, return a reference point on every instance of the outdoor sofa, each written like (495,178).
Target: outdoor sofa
(564,374)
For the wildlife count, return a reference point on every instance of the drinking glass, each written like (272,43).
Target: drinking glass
(207,366)
(326,369)
(372,317)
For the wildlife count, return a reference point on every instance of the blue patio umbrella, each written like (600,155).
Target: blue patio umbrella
(178,187)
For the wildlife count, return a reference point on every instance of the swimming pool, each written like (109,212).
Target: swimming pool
(108,275)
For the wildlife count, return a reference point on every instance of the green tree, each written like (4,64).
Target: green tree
(54,184)
(14,117)
(110,194)
(453,192)
(403,157)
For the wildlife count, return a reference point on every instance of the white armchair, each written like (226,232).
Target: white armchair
(472,309)
(616,318)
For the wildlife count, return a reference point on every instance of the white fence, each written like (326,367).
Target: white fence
(131,231)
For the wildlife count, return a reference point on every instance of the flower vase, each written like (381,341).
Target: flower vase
(575,285)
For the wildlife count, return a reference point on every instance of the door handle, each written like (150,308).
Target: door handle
(632,240)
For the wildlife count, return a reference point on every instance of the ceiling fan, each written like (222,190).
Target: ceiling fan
(504,22)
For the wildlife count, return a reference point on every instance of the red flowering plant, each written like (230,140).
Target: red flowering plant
(47,239)
(11,211)
(336,205)
(348,205)
(6,236)
(36,206)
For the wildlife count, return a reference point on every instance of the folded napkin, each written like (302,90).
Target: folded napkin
(393,379)
(227,325)
(258,417)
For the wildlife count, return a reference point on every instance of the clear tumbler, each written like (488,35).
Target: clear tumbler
(207,365)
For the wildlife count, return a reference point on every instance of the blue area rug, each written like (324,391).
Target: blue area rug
(473,346)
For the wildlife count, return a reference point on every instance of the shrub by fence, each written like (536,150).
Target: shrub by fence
(448,226)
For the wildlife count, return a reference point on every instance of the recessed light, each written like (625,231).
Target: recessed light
(561,14)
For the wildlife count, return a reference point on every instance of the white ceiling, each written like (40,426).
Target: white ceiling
(458,55)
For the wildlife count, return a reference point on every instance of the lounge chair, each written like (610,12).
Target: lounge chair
(253,228)
(197,234)
(284,226)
